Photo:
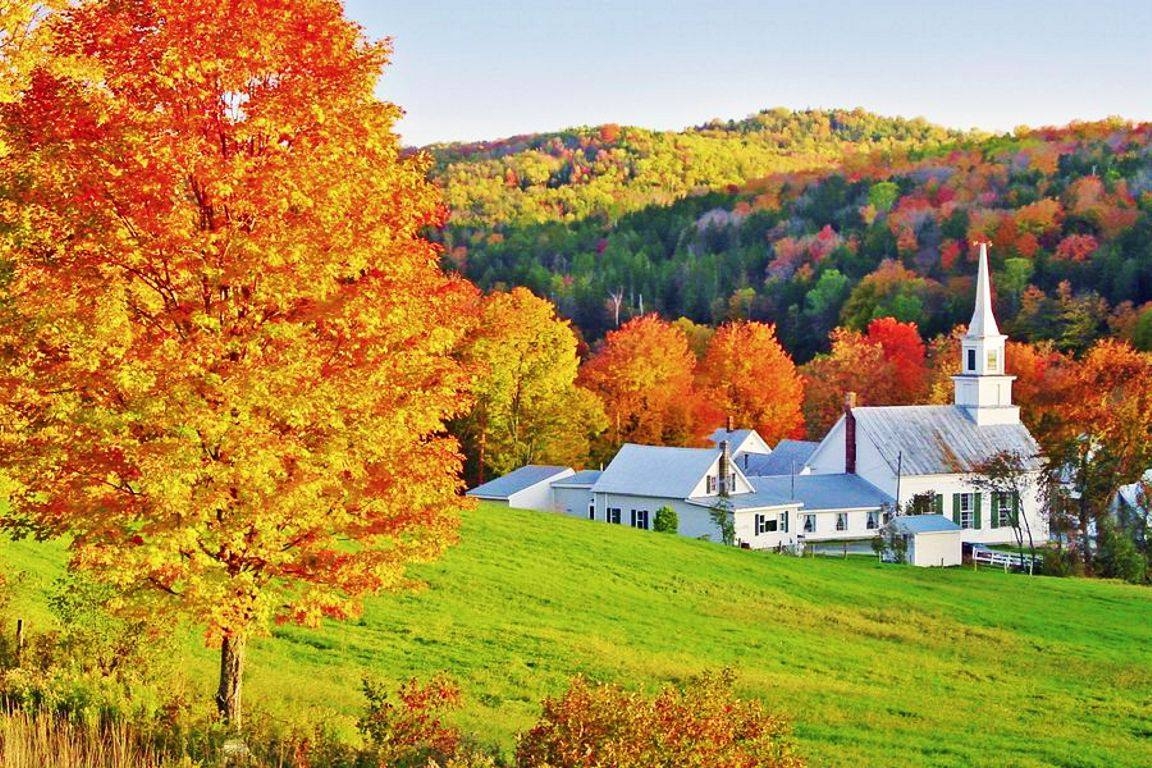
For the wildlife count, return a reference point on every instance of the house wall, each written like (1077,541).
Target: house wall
(935,549)
(742,484)
(572,501)
(746,528)
(857,520)
(694,521)
(538,496)
(949,485)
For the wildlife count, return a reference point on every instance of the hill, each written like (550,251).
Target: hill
(876,665)
(835,226)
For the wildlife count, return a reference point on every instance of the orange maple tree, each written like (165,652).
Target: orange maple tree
(747,375)
(644,374)
(235,348)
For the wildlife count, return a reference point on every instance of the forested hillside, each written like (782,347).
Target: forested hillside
(813,220)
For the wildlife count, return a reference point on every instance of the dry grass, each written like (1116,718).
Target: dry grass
(42,741)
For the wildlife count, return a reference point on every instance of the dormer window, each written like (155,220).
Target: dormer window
(971,360)
(711,484)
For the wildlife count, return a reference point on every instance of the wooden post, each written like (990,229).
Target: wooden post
(19,640)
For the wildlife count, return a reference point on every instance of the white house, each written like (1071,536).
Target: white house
(930,454)
(875,461)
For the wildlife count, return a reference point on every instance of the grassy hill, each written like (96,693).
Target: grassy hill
(876,665)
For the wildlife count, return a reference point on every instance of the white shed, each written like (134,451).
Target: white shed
(529,487)
(933,540)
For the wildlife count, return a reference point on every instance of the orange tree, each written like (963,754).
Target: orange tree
(644,373)
(229,347)
(748,375)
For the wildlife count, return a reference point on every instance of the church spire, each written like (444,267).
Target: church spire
(983,321)
(982,388)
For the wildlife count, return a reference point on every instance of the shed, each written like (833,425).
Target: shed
(933,540)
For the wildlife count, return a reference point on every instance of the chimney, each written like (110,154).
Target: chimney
(849,433)
(725,470)
(728,423)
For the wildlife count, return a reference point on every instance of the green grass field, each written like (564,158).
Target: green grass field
(875,664)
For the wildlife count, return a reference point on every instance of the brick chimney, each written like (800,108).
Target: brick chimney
(725,470)
(849,433)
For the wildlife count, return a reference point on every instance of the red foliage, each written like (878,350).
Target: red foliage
(704,724)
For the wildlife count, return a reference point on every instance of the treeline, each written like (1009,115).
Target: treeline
(876,228)
(672,383)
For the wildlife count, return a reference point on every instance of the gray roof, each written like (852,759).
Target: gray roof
(515,481)
(585,478)
(820,492)
(651,470)
(923,524)
(787,457)
(939,439)
(762,497)
(734,438)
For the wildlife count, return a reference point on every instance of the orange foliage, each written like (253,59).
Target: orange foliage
(243,342)
(749,376)
(644,373)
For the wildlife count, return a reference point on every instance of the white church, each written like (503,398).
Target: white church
(876,465)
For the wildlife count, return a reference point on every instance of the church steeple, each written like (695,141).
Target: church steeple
(982,388)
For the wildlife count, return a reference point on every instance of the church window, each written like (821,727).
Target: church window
(971,359)
(967,511)
(993,361)
(1003,510)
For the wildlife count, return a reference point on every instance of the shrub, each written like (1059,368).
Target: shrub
(703,723)
(667,521)
(411,731)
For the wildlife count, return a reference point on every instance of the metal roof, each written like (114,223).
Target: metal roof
(652,470)
(923,524)
(518,480)
(737,439)
(761,498)
(939,439)
(824,492)
(585,478)
(787,457)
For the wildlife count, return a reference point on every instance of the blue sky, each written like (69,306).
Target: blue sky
(486,69)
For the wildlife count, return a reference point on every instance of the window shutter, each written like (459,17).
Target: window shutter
(938,503)
(994,514)
(956,508)
(976,510)
(1015,509)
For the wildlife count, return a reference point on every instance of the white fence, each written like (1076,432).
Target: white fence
(1007,560)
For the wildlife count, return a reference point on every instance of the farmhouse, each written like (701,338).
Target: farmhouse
(875,463)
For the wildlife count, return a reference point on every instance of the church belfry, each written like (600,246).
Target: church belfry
(982,388)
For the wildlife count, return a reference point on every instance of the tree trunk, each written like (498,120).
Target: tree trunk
(231,677)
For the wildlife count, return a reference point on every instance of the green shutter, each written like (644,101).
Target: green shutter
(976,511)
(956,508)
(1015,509)
(994,514)
(938,503)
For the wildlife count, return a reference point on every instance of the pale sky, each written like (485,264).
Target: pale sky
(487,69)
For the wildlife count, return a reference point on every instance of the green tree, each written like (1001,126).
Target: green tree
(667,521)
(529,409)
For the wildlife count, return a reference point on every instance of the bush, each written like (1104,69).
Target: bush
(702,724)
(667,521)
(411,731)
(1117,556)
